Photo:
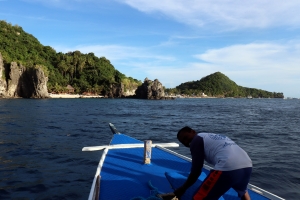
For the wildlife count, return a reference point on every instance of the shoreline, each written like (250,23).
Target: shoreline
(73,96)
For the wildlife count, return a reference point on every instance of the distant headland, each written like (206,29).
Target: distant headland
(219,85)
(30,70)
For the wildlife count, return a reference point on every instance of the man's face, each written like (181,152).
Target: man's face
(186,138)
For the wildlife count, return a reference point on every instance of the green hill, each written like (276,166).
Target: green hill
(85,72)
(219,85)
(88,73)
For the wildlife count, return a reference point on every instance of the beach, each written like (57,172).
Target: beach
(72,96)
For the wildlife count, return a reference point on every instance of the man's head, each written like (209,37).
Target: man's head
(186,135)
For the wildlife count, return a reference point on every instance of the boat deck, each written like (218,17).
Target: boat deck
(125,176)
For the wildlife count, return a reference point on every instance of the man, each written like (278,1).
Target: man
(232,165)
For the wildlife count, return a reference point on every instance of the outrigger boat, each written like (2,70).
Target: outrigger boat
(122,173)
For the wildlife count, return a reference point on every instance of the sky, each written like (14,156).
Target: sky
(254,43)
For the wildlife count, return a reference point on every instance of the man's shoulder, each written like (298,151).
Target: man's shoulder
(203,134)
(197,139)
(215,136)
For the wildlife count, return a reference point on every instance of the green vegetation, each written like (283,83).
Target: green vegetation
(219,85)
(85,72)
(88,73)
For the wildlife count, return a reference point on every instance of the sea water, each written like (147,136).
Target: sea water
(41,139)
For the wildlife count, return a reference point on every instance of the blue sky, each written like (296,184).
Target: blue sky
(255,43)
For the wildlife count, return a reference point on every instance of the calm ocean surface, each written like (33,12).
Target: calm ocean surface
(41,140)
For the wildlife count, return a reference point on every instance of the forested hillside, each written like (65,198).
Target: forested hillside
(89,73)
(219,85)
(85,72)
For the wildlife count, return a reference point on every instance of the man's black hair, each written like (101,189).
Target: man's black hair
(184,129)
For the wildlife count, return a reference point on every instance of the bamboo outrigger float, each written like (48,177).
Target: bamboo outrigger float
(123,174)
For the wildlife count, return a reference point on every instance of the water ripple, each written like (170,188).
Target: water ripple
(41,155)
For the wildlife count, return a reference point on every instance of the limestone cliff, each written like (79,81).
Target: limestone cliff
(115,91)
(150,90)
(118,90)
(3,84)
(13,80)
(129,92)
(18,81)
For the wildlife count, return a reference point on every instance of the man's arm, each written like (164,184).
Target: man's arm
(188,183)
(197,152)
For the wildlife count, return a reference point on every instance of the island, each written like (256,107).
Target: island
(29,69)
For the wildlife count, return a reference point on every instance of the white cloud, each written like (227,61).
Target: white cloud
(117,52)
(226,14)
(172,75)
(231,14)
(132,61)
(273,67)
(269,66)
(256,56)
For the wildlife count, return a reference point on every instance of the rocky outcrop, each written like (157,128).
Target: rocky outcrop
(118,90)
(3,84)
(150,90)
(19,81)
(115,91)
(129,92)
(33,83)
(13,80)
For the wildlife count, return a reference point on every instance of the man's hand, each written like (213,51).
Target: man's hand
(179,191)
(192,178)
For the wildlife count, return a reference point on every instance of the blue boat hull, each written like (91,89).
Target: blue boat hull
(125,176)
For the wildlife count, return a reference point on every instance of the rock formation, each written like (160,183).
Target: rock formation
(19,81)
(13,79)
(115,91)
(150,90)
(118,90)
(3,84)
(129,92)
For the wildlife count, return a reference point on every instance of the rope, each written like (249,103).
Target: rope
(153,192)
